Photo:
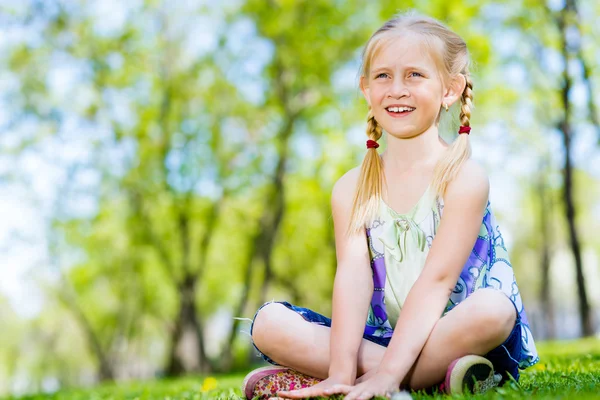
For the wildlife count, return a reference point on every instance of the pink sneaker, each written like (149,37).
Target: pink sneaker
(265,382)
(473,374)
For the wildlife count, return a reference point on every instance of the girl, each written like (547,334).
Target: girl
(420,257)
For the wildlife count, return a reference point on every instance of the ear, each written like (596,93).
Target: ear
(364,88)
(455,90)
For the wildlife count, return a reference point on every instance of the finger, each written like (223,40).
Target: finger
(350,396)
(338,388)
(299,394)
(359,395)
(287,395)
(292,395)
(364,396)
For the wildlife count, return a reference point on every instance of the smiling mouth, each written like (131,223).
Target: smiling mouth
(399,110)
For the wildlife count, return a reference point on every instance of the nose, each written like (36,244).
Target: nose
(398,89)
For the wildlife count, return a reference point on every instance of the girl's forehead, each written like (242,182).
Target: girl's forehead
(403,51)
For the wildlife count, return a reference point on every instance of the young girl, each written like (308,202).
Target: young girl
(420,257)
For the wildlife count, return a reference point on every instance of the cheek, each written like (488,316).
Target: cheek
(429,96)
(377,94)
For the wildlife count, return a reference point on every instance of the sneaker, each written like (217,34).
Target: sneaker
(265,382)
(471,374)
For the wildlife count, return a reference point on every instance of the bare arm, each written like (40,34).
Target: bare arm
(352,290)
(464,205)
(353,286)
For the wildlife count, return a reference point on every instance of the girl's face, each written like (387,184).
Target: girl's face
(404,88)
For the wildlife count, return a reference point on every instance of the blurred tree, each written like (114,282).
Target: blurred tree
(137,83)
(299,89)
(545,211)
(554,33)
(537,238)
(164,164)
(564,20)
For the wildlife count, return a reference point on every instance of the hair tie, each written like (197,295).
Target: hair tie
(371,144)
(464,129)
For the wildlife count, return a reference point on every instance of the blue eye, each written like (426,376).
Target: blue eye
(383,74)
(411,74)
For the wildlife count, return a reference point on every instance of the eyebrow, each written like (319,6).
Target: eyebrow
(384,67)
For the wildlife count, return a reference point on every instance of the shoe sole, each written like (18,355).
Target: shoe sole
(256,375)
(473,374)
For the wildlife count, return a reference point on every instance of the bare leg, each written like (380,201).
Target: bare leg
(476,326)
(288,339)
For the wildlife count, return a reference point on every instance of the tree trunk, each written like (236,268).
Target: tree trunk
(105,370)
(545,297)
(275,210)
(264,240)
(227,354)
(187,352)
(584,307)
(68,296)
(570,211)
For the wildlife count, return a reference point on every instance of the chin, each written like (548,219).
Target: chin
(404,132)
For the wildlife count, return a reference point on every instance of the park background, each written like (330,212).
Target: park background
(166,166)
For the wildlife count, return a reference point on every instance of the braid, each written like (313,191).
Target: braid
(370,182)
(374,130)
(466,102)
(460,151)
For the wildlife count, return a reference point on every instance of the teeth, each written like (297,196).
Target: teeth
(400,109)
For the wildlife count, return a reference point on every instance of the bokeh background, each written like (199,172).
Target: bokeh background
(166,167)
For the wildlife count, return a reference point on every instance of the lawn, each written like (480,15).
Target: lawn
(567,370)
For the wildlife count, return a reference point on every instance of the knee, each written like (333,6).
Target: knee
(267,324)
(493,313)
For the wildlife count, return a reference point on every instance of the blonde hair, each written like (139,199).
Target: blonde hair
(452,58)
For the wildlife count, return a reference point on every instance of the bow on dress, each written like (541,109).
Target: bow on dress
(395,236)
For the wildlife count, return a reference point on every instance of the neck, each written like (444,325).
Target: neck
(422,150)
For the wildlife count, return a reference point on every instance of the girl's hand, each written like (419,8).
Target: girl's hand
(320,389)
(367,375)
(379,384)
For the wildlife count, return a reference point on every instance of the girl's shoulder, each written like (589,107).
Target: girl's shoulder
(471,180)
(345,187)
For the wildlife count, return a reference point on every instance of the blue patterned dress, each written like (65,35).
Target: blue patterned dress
(398,247)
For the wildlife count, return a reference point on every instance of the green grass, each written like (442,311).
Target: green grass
(567,370)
